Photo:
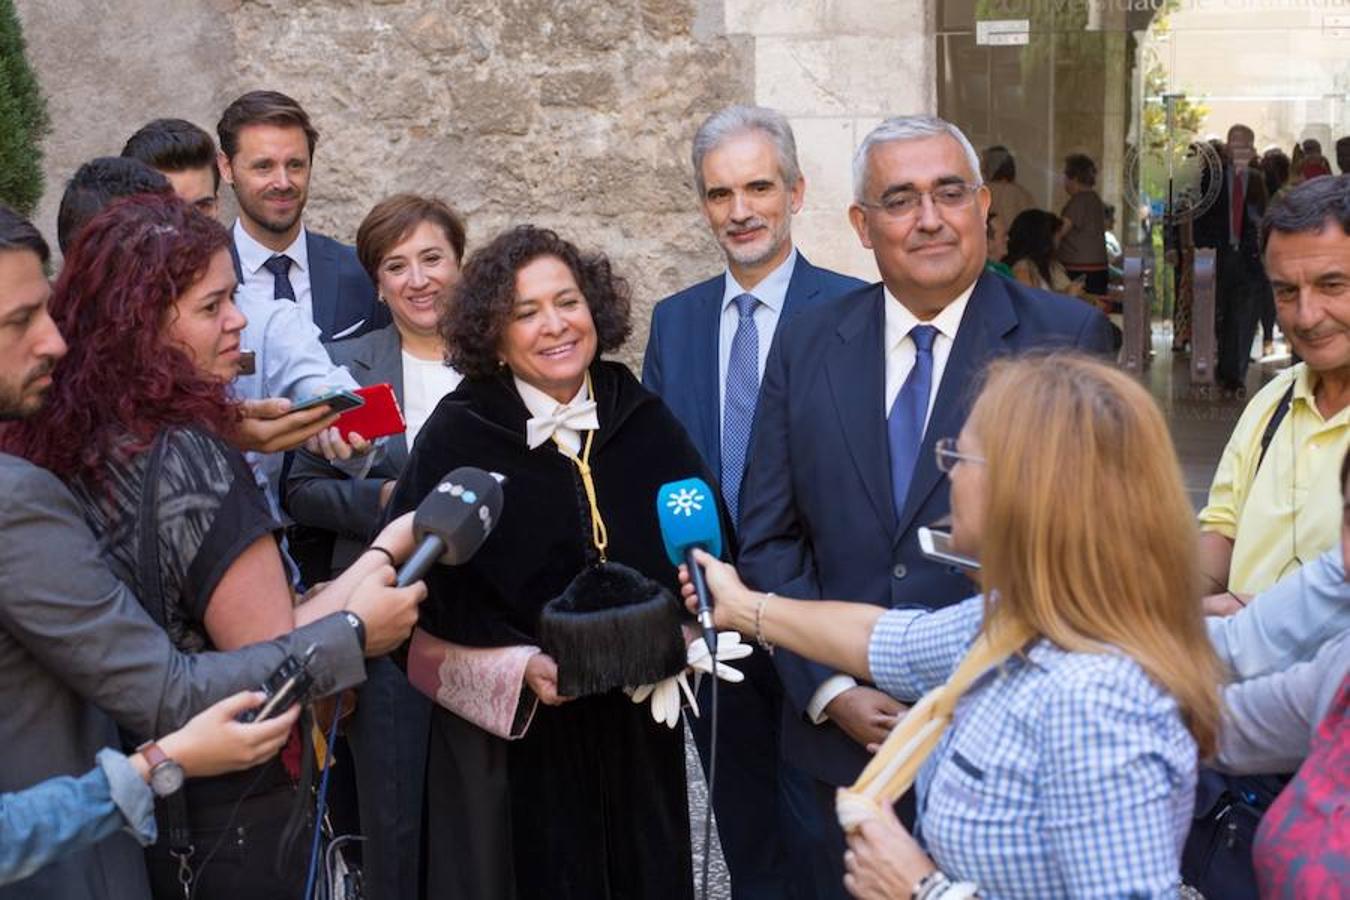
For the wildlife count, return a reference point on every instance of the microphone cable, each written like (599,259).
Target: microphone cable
(321,804)
(712,779)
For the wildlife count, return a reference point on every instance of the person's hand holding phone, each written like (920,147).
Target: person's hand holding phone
(271,425)
(213,742)
(329,444)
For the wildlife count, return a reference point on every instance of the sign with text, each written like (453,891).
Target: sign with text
(1003,32)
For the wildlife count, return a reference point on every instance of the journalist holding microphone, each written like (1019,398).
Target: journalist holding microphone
(1068,766)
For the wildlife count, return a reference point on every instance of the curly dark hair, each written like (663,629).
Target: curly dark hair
(476,319)
(121,378)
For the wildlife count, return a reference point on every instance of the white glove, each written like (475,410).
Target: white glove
(665,697)
(665,694)
(729,646)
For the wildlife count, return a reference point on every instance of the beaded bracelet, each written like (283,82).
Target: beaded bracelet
(759,632)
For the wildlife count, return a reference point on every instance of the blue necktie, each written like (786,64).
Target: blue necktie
(741,393)
(280,267)
(904,426)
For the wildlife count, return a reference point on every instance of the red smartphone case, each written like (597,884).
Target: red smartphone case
(378,418)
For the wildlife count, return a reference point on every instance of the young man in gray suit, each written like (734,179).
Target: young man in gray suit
(79,656)
(705,357)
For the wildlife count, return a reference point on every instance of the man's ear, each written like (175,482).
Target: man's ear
(857,217)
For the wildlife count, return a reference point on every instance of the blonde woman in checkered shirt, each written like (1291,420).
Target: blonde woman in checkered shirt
(1069,770)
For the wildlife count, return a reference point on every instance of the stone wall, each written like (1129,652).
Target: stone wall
(576,114)
(837,68)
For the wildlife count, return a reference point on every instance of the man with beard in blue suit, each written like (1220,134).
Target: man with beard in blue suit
(705,357)
(855,395)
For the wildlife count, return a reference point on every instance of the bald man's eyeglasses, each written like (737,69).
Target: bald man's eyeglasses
(907,204)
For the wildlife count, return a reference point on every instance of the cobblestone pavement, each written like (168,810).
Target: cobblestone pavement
(719,882)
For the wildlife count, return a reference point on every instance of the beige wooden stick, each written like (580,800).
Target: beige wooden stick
(897,762)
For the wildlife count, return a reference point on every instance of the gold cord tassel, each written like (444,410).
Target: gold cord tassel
(599,534)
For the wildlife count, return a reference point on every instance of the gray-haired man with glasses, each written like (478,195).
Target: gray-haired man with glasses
(854,397)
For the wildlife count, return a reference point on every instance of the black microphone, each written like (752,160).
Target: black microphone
(453,520)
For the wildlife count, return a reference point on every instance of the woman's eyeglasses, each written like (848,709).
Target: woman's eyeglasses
(948,456)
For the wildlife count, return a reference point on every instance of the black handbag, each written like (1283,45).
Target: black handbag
(1217,857)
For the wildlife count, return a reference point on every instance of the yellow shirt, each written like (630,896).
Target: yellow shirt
(1290,510)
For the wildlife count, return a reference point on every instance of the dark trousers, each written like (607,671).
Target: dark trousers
(244,845)
(1265,309)
(819,864)
(388,739)
(1239,283)
(756,791)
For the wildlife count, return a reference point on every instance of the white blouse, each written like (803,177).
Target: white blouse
(425,382)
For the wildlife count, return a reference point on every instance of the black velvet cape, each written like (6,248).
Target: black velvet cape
(591,803)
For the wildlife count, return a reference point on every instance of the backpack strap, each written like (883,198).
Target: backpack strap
(1281,410)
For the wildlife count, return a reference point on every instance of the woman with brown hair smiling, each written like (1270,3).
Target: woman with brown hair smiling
(585,800)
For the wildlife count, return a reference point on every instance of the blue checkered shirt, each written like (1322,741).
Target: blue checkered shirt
(1063,774)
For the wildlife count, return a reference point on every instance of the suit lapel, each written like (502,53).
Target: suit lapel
(387,365)
(801,288)
(323,285)
(234,258)
(705,375)
(989,316)
(855,367)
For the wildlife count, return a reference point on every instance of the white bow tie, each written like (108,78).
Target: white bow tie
(576,416)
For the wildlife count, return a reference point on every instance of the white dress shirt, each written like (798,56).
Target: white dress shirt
(541,405)
(900,354)
(771,292)
(289,359)
(260,284)
(425,382)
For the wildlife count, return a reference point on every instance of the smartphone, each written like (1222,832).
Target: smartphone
(284,688)
(337,401)
(378,417)
(937,545)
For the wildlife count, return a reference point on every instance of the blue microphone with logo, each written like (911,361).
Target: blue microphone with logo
(687,511)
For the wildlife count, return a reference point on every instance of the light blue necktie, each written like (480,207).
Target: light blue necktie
(741,393)
(904,426)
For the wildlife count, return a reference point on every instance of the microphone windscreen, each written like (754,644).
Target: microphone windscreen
(687,511)
(462,511)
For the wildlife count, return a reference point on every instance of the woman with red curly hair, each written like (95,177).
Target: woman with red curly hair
(137,423)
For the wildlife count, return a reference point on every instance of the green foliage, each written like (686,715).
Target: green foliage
(23,118)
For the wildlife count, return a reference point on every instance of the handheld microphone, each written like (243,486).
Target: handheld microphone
(687,511)
(453,520)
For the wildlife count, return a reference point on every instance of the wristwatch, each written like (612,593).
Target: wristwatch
(358,626)
(166,775)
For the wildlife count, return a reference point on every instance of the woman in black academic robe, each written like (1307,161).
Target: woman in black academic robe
(591,803)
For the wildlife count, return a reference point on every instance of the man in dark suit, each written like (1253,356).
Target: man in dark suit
(266,154)
(855,395)
(705,357)
(1232,226)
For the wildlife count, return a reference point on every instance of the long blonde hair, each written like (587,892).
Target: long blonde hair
(1089,539)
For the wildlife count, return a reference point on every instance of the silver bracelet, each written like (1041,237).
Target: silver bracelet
(961,890)
(759,633)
